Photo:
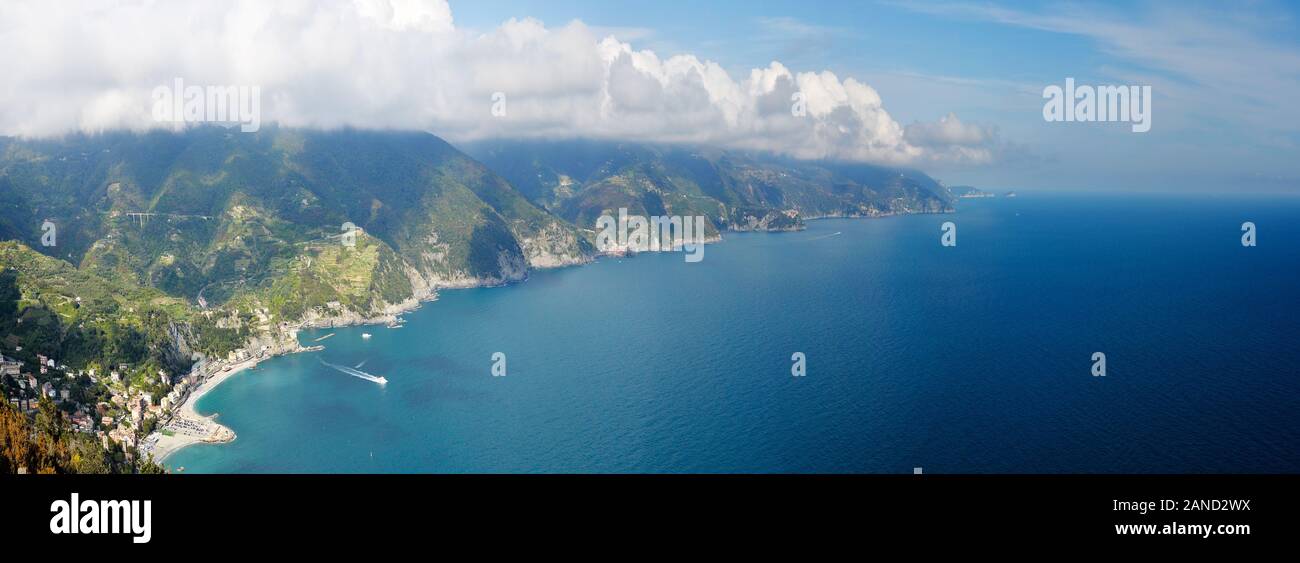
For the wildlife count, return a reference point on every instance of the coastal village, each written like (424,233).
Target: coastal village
(144,413)
(137,411)
(124,409)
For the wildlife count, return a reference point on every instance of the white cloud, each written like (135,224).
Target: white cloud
(92,65)
(952,140)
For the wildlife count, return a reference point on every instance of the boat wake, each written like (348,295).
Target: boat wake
(834,234)
(358,373)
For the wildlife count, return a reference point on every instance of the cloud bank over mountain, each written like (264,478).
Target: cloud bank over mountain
(403,64)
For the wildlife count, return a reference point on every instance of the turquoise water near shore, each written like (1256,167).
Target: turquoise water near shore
(974,358)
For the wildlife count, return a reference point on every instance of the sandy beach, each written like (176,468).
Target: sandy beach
(188,427)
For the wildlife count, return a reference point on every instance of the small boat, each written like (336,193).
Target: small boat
(365,335)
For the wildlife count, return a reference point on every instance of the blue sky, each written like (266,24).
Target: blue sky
(1222,74)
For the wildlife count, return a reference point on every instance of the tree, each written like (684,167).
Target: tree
(9,296)
(49,420)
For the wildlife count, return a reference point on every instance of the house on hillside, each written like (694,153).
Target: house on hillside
(10,366)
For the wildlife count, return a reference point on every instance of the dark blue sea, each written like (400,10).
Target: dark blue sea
(968,359)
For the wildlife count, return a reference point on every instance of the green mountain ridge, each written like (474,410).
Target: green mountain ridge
(579,180)
(226,216)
